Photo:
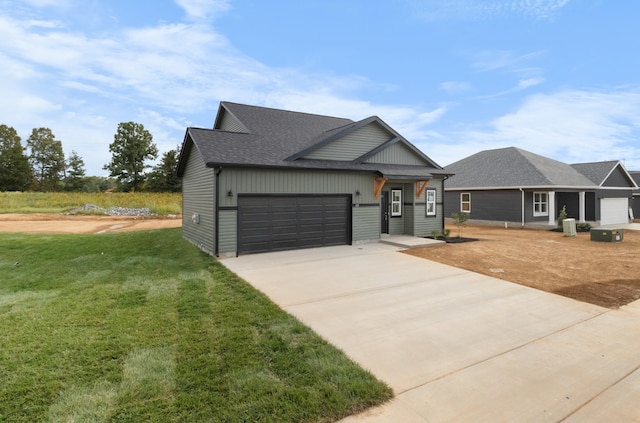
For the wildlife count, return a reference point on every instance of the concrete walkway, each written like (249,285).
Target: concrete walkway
(456,345)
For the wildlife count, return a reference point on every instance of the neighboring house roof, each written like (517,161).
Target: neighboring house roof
(265,137)
(599,172)
(513,167)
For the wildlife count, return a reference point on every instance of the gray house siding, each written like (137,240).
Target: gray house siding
(228,239)
(198,199)
(396,154)
(231,124)
(425,225)
(366,222)
(353,145)
(617,179)
(499,205)
(365,208)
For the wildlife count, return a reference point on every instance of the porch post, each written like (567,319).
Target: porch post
(582,206)
(552,208)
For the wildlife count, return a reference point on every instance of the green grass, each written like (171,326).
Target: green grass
(142,326)
(60,202)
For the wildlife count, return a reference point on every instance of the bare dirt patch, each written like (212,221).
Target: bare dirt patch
(601,273)
(82,224)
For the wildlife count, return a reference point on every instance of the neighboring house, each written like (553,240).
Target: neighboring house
(635,202)
(516,186)
(268,180)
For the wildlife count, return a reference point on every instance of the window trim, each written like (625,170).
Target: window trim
(545,202)
(432,202)
(462,202)
(396,213)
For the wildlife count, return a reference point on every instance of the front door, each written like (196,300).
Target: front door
(384,212)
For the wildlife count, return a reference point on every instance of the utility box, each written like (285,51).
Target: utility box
(607,235)
(569,227)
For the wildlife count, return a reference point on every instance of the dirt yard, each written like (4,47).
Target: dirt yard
(601,273)
(82,224)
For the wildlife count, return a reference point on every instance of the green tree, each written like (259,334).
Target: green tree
(46,158)
(15,171)
(74,179)
(163,177)
(131,146)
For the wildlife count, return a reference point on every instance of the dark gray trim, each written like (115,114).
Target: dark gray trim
(228,208)
(366,205)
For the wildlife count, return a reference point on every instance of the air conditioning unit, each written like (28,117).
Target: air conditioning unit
(569,227)
(607,235)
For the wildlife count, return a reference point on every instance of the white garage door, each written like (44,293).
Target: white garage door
(614,211)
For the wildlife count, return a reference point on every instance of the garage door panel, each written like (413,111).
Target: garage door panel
(614,211)
(278,223)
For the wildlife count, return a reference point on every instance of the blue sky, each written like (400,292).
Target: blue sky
(559,78)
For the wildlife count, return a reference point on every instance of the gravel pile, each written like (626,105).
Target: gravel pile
(114,211)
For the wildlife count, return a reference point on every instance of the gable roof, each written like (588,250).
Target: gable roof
(599,172)
(265,137)
(513,167)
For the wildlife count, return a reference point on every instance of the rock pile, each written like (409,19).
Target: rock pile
(113,211)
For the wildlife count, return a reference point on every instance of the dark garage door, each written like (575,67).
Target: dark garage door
(278,223)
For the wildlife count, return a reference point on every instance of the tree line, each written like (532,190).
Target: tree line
(41,164)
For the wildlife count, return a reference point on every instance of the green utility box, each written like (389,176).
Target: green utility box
(607,235)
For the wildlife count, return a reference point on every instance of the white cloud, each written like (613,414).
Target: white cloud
(482,10)
(571,126)
(455,87)
(202,9)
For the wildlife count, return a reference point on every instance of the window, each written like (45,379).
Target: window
(396,202)
(540,204)
(465,202)
(431,202)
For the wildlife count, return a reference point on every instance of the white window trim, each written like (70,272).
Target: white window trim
(433,202)
(398,212)
(545,202)
(462,202)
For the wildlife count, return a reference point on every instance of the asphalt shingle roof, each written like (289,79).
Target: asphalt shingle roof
(597,172)
(513,167)
(275,135)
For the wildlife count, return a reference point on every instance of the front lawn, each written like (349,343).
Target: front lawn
(142,326)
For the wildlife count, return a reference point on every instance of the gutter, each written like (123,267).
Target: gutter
(216,225)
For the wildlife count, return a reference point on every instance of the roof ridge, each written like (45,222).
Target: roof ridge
(284,110)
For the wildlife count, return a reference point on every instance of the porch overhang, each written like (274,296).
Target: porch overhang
(421,182)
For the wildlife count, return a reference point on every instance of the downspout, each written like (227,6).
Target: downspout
(216,226)
(443,179)
(522,206)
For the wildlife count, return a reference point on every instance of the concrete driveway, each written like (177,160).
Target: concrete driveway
(456,345)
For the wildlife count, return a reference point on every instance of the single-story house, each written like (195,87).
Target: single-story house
(515,186)
(268,180)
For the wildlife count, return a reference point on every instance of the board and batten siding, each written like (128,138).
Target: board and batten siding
(282,181)
(366,223)
(424,225)
(397,153)
(198,199)
(228,238)
(353,145)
